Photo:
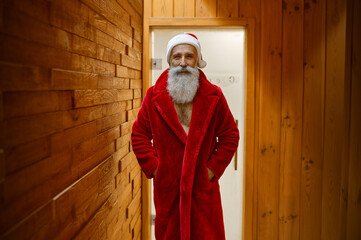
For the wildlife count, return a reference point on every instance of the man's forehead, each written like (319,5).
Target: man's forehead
(184,47)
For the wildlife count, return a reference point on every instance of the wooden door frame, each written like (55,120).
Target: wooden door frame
(250,107)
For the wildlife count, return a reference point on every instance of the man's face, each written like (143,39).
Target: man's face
(183,55)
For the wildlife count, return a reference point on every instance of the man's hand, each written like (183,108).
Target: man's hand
(154,173)
(210,174)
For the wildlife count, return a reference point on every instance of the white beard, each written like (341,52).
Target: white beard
(183,87)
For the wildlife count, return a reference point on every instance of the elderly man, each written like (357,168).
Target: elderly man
(194,138)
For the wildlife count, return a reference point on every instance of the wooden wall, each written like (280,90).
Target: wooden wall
(70,91)
(304,183)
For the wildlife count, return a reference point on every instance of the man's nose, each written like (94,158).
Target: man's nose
(183,62)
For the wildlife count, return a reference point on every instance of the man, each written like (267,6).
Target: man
(194,138)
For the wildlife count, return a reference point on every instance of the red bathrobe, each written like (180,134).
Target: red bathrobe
(188,205)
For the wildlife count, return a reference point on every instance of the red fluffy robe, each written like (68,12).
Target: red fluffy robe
(188,205)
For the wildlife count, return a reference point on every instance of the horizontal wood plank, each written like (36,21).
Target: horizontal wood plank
(24,155)
(108,54)
(135,83)
(17,77)
(123,140)
(25,129)
(121,152)
(66,80)
(66,139)
(110,121)
(121,83)
(134,205)
(28,189)
(95,188)
(84,98)
(126,128)
(18,104)
(131,62)
(127,160)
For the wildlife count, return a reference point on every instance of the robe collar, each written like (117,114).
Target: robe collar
(203,105)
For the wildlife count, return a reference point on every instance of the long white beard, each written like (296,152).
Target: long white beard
(183,87)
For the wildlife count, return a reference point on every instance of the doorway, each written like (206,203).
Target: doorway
(224,50)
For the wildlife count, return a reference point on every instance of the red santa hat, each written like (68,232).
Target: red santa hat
(186,38)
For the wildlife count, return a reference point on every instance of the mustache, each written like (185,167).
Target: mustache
(180,69)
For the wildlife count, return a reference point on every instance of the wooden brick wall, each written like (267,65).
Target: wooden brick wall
(70,91)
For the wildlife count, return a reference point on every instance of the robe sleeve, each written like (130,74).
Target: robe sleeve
(141,139)
(228,137)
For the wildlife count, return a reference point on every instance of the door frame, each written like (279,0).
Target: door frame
(250,107)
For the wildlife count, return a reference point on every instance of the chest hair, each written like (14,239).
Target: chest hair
(184,112)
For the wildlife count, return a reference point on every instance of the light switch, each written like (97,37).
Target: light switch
(156,63)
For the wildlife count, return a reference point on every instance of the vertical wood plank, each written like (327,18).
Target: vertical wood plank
(184,8)
(227,8)
(146,72)
(162,8)
(249,8)
(313,118)
(342,221)
(206,8)
(354,188)
(291,123)
(268,149)
(249,135)
(336,120)
(252,10)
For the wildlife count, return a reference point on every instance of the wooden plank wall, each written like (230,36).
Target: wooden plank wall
(306,183)
(70,91)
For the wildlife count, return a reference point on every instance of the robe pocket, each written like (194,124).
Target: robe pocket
(205,187)
(164,180)
(207,193)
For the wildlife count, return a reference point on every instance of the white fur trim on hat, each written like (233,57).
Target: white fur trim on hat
(186,39)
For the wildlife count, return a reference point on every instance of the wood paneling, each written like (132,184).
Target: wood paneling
(336,121)
(206,8)
(70,89)
(268,146)
(162,8)
(302,182)
(313,119)
(354,188)
(184,8)
(227,8)
(291,122)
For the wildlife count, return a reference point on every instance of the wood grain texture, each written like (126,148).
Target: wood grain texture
(249,8)
(206,8)
(291,122)
(65,93)
(227,8)
(184,8)
(197,21)
(335,120)
(297,110)
(354,188)
(17,77)
(268,148)
(313,120)
(249,135)
(146,76)
(162,8)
